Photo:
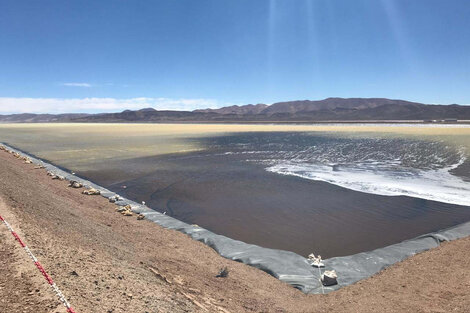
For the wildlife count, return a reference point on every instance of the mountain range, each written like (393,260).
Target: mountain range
(330,109)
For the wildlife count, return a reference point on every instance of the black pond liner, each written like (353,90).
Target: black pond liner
(286,266)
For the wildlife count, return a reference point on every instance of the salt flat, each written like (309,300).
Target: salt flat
(69,143)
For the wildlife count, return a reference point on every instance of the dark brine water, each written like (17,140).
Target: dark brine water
(304,192)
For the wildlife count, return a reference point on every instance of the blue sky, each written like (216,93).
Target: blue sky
(59,56)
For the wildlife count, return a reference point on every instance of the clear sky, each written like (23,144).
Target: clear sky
(99,55)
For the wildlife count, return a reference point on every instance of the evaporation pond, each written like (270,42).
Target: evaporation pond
(329,189)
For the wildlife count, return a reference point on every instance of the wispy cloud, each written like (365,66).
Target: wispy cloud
(67,105)
(87,85)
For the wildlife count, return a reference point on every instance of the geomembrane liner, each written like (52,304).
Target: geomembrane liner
(286,266)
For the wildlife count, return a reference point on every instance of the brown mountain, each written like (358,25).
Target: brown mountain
(331,109)
(331,104)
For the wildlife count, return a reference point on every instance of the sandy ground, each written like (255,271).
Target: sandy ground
(19,280)
(105,262)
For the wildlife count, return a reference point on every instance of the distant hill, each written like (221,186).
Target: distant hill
(40,118)
(330,109)
(239,110)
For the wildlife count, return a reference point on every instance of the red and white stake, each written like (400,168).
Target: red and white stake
(39,267)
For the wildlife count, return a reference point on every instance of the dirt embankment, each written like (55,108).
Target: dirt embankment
(105,262)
